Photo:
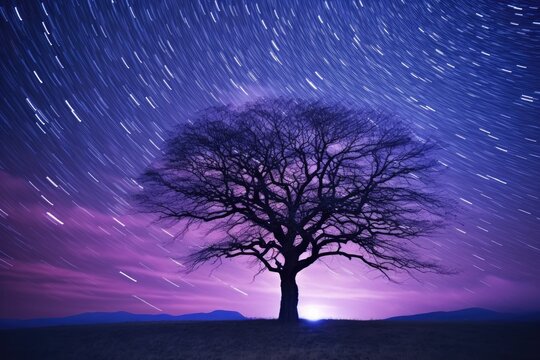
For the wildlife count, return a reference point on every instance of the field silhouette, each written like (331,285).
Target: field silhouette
(268,339)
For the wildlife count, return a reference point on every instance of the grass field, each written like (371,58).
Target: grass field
(266,339)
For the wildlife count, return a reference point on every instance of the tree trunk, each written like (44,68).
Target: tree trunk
(288,311)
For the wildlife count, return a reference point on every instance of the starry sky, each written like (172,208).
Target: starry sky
(90,90)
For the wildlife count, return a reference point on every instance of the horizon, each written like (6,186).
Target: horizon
(91,92)
(308,317)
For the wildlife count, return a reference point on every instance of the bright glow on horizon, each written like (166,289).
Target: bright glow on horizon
(312,313)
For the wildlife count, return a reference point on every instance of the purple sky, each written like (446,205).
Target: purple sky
(80,269)
(88,93)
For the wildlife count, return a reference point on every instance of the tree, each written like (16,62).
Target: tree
(289,182)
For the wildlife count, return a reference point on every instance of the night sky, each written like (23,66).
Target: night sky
(89,91)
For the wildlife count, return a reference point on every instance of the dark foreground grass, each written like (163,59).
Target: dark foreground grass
(267,339)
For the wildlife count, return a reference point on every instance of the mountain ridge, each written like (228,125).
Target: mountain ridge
(118,317)
(87,318)
(468,314)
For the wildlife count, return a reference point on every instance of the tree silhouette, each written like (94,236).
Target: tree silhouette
(289,182)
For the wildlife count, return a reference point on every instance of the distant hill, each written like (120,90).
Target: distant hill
(118,317)
(471,314)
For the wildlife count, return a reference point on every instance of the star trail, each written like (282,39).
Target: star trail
(90,91)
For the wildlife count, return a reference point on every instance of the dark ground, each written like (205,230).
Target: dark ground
(267,339)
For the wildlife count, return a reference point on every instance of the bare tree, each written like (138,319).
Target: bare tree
(289,182)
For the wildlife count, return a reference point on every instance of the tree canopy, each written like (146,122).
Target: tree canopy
(288,182)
